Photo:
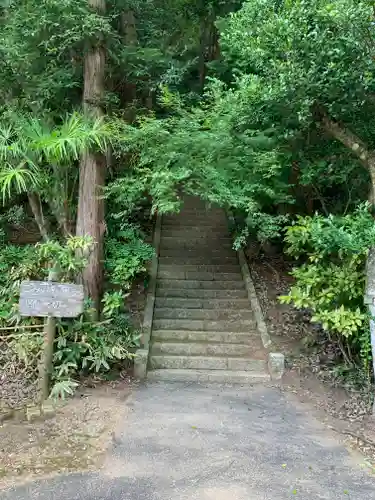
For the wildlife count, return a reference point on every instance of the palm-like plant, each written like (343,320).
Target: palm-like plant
(35,158)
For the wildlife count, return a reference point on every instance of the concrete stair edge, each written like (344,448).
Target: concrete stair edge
(201,303)
(203,314)
(196,336)
(204,325)
(202,348)
(193,293)
(208,376)
(235,363)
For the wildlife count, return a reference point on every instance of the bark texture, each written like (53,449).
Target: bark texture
(90,217)
(130,38)
(209,46)
(128,28)
(355,144)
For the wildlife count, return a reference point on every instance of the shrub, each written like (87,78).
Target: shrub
(84,347)
(126,255)
(81,346)
(330,281)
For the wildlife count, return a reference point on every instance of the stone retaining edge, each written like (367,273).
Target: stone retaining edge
(276,361)
(141,355)
(253,298)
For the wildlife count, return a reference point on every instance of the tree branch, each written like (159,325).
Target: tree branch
(36,207)
(350,140)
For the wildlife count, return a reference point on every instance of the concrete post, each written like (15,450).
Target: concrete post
(370,302)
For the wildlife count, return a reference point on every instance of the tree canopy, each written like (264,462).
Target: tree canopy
(263,106)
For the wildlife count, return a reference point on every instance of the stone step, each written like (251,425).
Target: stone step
(201,210)
(191,293)
(209,376)
(201,276)
(204,237)
(205,252)
(205,314)
(202,303)
(249,337)
(204,233)
(194,243)
(170,249)
(206,363)
(202,268)
(198,285)
(199,349)
(198,261)
(205,325)
(182,226)
(196,220)
(195,204)
(219,227)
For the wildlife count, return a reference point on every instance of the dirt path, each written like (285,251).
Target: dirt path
(194,442)
(75,439)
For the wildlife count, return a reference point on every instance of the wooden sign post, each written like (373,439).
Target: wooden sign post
(50,300)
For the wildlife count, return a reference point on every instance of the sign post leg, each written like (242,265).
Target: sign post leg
(49,342)
(47,356)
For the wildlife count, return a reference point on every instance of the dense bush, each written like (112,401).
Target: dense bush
(81,346)
(331,278)
(126,255)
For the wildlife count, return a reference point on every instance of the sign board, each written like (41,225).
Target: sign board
(47,298)
(370,278)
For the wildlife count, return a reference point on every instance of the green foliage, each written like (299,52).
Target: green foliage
(291,63)
(16,263)
(304,51)
(254,139)
(19,263)
(199,151)
(126,255)
(84,347)
(81,345)
(330,283)
(31,150)
(41,51)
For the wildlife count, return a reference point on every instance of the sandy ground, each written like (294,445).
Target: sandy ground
(75,439)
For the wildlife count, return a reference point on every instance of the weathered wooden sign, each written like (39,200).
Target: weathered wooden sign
(48,298)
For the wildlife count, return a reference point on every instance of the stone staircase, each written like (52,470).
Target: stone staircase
(203,327)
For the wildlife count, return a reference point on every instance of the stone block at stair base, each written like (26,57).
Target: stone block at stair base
(140,364)
(276,365)
(33,413)
(48,409)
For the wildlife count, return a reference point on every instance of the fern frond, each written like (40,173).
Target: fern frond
(16,178)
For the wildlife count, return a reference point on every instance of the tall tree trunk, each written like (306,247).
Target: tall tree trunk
(90,217)
(130,38)
(209,45)
(358,147)
(128,28)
